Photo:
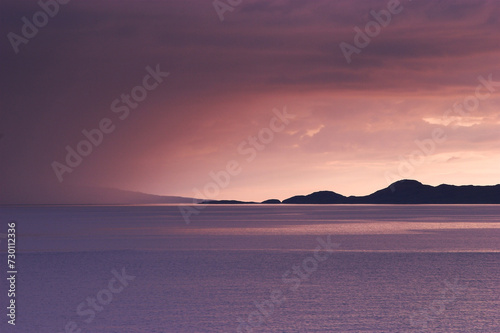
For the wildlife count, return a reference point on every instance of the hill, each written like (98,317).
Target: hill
(408,192)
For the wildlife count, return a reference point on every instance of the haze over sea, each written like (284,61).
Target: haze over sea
(242,268)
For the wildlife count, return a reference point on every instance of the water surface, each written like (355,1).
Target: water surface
(397,268)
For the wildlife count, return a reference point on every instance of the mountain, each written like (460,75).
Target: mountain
(409,192)
(323,197)
(271,201)
(401,192)
(86,195)
(414,192)
(99,195)
(226,202)
(237,202)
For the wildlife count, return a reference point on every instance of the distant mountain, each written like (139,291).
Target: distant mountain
(226,202)
(271,201)
(84,195)
(414,192)
(99,195)
(409,192)
(323,197)
(237,202)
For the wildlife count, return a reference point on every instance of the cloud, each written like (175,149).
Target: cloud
(226,77)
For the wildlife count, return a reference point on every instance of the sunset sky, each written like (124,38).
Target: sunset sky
(355,124)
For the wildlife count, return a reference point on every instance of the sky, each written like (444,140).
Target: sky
(250,101)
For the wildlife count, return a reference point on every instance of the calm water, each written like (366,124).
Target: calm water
(255,268)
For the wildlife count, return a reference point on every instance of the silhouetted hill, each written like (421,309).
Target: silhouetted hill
(237,202)
(271,201)
(401,192)
(226,202)
(323,197)
(409,192)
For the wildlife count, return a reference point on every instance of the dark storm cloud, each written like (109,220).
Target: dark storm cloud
(64,79)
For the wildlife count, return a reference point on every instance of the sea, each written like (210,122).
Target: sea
(251,268)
